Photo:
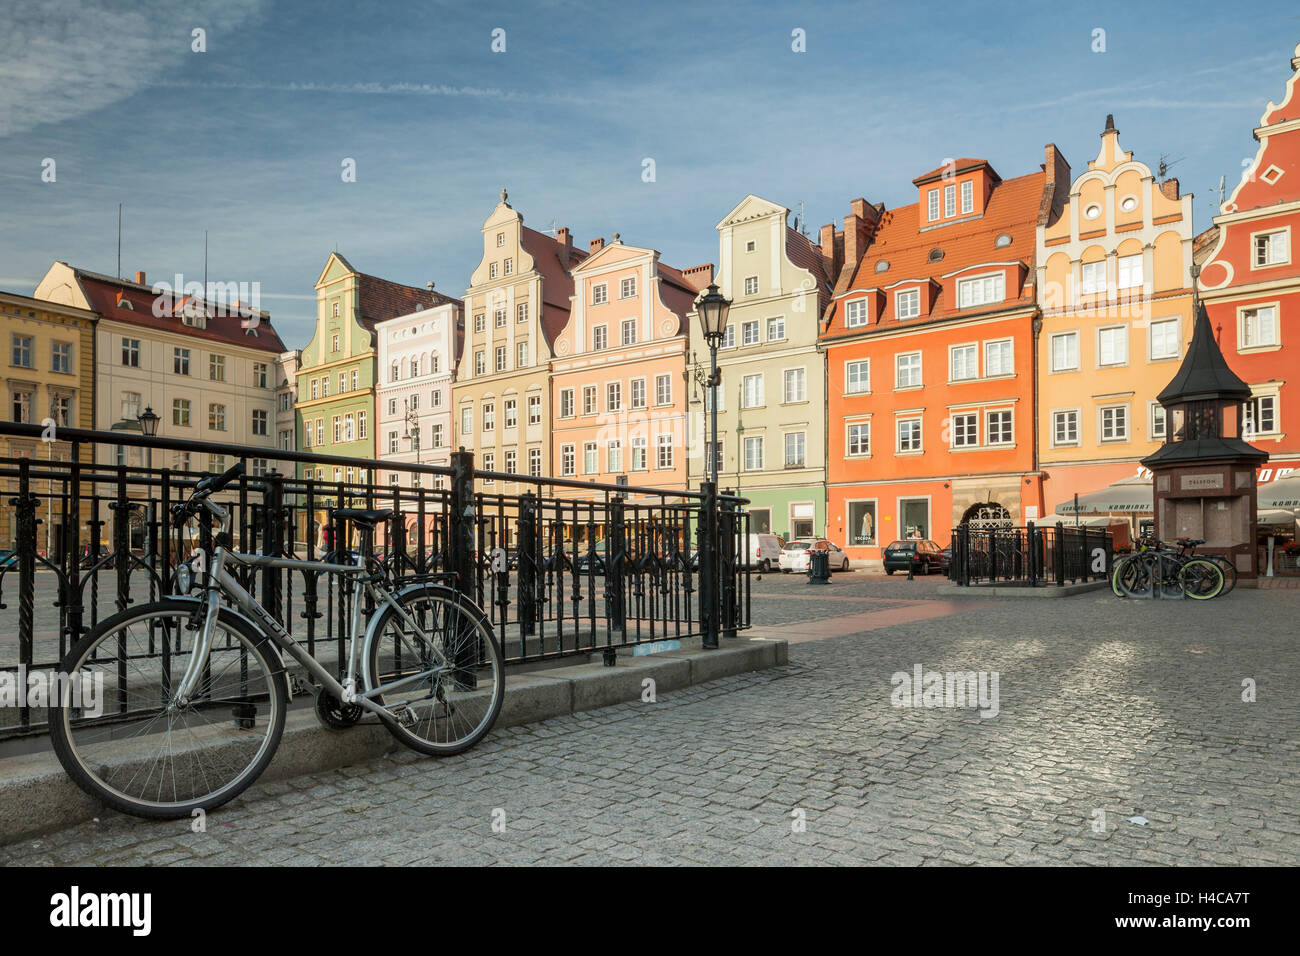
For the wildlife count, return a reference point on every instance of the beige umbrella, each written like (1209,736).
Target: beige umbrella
(1130,496)
(1284,494)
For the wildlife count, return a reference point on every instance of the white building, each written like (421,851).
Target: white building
(417,356)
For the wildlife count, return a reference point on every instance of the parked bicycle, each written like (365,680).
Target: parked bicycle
(1172,570)
(195,692)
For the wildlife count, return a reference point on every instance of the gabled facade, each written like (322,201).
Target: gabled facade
(515,307)
(771,403)
(929,346)
(1250,282)
(618,373)
(1114,285)
(417,362)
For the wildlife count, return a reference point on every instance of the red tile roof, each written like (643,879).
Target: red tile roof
(806,254)
(381,299)
(964,165)
(557,284)
(1012,208)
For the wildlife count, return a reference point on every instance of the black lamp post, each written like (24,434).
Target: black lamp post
(148,420)
(713,308)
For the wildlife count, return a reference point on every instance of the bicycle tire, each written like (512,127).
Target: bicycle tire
(1141,575)
(1229,572)
(469,624)
(90,767)
(1200,579)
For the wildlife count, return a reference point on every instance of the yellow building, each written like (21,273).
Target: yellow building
(1115,292)
(49,380)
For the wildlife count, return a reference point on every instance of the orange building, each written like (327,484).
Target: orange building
(618,372)
(929,344)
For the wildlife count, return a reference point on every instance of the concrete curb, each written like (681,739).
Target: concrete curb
(1041,593)
(37,797)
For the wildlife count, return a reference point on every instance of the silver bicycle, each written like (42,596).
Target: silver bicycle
(192,691)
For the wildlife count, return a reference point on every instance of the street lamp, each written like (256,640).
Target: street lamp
(148,420)
(712,308)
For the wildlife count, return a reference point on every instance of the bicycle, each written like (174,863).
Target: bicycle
(1158,565)
(196,692)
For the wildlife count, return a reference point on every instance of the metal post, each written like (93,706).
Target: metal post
(727,561)
(615,553)
(25,521)
(708,541)
(526,557)
(463,526)
(121,509)
(272,541)
(1058,555)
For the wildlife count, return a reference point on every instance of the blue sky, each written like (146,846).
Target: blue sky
(247,139)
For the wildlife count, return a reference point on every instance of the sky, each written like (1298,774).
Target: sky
(247,139)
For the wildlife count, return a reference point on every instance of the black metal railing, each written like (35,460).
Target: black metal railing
(560,567)
(1033,556)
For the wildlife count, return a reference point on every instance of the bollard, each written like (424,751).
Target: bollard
(819,567)
(708,541)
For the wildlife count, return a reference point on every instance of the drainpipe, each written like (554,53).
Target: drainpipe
(1037,326)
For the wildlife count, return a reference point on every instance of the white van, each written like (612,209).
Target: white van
(762,551)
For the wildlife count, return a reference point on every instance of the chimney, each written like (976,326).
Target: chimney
(565,238)
(1056,186)
(699,277)
(832,252)
(597,245)
(857,230)
(139,278)
(1170,188)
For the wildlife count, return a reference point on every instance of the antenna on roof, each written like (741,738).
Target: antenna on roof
(1165,163)
(1222,191)
(205,267)
(801,221)
(119,240)
(554,230)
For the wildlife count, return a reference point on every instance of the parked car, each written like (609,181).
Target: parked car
(918,555)
(785,559)
(839,561)
(762,551)
(595,556)
(8,559)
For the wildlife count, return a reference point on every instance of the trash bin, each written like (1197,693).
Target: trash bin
(819,567)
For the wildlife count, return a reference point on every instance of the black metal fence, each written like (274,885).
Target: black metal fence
(1032,556)
(560,567)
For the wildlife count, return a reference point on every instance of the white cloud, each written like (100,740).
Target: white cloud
(61,59)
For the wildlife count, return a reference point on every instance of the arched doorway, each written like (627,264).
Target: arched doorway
(988,515)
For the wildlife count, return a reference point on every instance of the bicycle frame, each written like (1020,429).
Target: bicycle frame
(218,581)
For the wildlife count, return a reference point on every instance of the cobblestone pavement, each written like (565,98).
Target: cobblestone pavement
(1107,710)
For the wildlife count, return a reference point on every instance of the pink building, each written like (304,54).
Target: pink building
(618,373)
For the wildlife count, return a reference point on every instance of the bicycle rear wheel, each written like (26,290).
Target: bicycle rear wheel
(449,647)
(1229,572)
(1200,579)
(123,738)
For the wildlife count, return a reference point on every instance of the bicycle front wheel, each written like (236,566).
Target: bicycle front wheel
(122,736)
(439,670)
(1201,579)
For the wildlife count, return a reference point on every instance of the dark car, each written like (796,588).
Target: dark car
(593,556)
(918,555)
(8,559)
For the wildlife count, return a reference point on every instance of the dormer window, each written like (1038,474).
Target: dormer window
(855,313)
(949,201)
(882,265)
(934,205)
(967,197)
(907,304)
(935,255)
(984,290)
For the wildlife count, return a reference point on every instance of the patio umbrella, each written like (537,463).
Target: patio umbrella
(1280,494)
(1130,496)
(1276,519)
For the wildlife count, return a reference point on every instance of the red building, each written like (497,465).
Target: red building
(1250,281)
(929,343)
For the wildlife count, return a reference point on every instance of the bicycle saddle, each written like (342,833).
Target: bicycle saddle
(362,517)
(1191,541)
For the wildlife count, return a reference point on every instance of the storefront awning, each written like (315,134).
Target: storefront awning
(1276,519)
(1130,496)
(1280,494)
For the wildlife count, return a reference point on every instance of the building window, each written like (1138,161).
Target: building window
(568,461)
(749,333)
(217,368)
(589,458)
(599,338)
(664,451)
(1258,327)
(131,353)
(494,269)
(754,454)
(521,355)
(1259,416)
(61,410)
(181,361)
(985,290)
(535,462)
(334,312)
(909,434)
(1270,249)
(967,197)
(858,441)
(512,463)
(963,362)
(949,201)
(261,422)
(997,428)
(361,425)
(392,443)
(663,389)
(796,448)
(1163,340)
(415,367)
(349,428)
(320,431)
(501,239)
(521,312)
(512,413)
(436,435)
(1158,430)
(181,412)
(1092,278)
(566,403)
(638,453)
(131,402)
(334,339)
(535,409)
(217,418)
(614,457)
(499,318)
(614,397)
(638,392)
(907,304)
(22,405)
(589,400)
(629,332)
(965,430)
(796,385)
(509,267)
(932,203)
(857,376)
(752,390)
(1114,422)
(728,337)
(500,357)
(907,370)
(1112,346)
(1130,272)
(776,329)
(1065,351)
(751,285)
(489,464)
(343,382)
(61,357)
(479,322)
(855,313)
(489,416)
(218,463)
(599,294)
(997,358)
(480,362)
(627,288)
(314,389)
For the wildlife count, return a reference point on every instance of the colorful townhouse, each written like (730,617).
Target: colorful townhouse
(286,416)
(929,345)
(1114,286)
(50,377)
(618,372)
(1250,282)
(417,363)
(516,306)
(772,400)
